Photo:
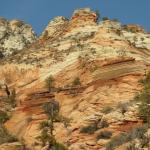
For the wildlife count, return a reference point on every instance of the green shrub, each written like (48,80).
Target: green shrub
(47,127)
(50,83)
(98,14)
(12,98)
(3,117)
(105,18)
(104,135)
(60,146)
(44,124)
(144,107)
(123,107)
(146,81)
(107,110)
(5,137)
(45,137)
(90,129)
(76,82)
(126,137)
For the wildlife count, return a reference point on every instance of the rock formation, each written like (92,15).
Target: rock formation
(14,36)
(96,66)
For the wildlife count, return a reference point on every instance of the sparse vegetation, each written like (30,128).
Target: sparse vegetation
(116,141)
(107,110)
(144,143)
(144,99)
(5,137)
(12,98)
(90,129)
(50,83)
(98,14)
(76,82)
(123,107)
(3,117)
(47,136)
(105,18)
(104,135)
(144,107)
(146,81)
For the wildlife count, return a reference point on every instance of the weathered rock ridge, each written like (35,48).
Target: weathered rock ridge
(14,36)
(107,57)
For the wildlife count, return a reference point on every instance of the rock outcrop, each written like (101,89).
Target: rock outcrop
(55,27)
(14,36)
(107,60)
(84,16)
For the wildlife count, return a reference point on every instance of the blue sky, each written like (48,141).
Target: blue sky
(39,12)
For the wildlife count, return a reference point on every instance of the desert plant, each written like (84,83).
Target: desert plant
(104,135)
(76,82)
(52,110)
(47,127)
(46,138)
(12,98)
(107,110)
(123,107)
(105,18)
(146,81)
(126,137)
(98,14)
(144,107)
(49,83)
(44,124)
(7,90)
(5,137)
(90,129)
(3,117)
(59,146)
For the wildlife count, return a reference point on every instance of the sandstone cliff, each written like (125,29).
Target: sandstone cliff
(107,57)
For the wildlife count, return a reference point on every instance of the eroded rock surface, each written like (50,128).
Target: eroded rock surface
(14,36)
(105,57)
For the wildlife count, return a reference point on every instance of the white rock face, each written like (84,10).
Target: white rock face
(140,40)
(14,36)
(110,24)
(55,26)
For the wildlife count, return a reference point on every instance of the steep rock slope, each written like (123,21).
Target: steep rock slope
(109,62)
